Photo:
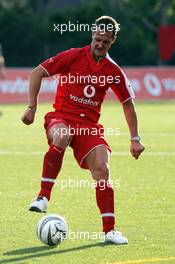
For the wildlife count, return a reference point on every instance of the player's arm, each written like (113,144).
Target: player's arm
(2,73)
(125,93)
(34,87)
(136,147)
(2,68)
(57,64)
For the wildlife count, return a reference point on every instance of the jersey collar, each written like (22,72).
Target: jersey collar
(95,66)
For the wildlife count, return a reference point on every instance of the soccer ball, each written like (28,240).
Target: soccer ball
(52,229)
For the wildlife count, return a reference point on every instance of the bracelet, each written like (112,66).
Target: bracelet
(136,138)
(32,109)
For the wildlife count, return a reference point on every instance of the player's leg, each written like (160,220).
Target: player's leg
(97,162)
(59,138)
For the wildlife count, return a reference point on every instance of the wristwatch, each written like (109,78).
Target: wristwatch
(32,108)
(136,138)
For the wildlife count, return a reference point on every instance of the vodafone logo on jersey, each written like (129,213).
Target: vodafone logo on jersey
(89,91)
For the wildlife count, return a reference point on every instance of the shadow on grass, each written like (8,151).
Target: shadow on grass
(46,251)
(28,250)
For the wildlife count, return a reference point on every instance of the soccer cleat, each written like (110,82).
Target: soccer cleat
(39,205)
(115,237)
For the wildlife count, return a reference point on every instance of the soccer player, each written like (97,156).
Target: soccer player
(77,107)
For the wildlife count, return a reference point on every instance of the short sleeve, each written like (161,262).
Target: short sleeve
(123,88)
(59,63)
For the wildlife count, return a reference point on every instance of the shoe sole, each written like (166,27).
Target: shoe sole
(36,209)
(111,242)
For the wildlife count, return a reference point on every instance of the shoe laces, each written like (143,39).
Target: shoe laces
(39,198)
(116,233)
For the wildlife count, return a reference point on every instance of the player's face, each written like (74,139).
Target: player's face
(101,43)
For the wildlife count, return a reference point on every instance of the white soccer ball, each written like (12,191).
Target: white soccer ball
(52,229)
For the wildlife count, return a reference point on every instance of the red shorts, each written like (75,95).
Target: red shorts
(86,137)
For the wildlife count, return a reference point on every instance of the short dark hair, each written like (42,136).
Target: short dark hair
(108,22)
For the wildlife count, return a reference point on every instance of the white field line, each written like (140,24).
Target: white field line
(114,153)
(146,261)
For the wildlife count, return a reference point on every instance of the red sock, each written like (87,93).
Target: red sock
(105,202)
(51,167)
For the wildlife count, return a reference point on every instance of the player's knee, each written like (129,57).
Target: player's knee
(101,172)
(61,142)
(59,135)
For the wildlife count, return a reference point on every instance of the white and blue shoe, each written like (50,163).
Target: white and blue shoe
(115,237)
(39,205)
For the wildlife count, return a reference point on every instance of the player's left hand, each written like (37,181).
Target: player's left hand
(28,117)
(136,149)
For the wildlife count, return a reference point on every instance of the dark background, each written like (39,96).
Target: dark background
(27,35)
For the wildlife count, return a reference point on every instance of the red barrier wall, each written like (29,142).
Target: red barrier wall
(149,83)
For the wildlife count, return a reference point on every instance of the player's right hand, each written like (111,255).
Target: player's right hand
(28,117)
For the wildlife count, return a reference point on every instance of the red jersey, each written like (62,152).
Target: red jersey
(83,83)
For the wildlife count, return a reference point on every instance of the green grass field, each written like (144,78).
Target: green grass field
(144,201)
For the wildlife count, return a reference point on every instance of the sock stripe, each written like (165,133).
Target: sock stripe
(107,215)
(60,150)
(47,180)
